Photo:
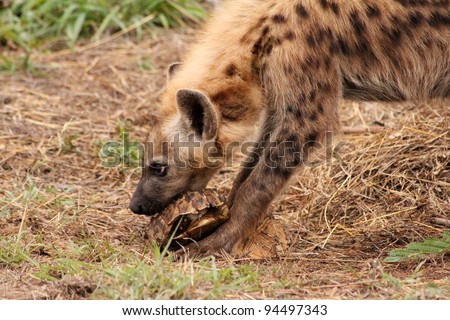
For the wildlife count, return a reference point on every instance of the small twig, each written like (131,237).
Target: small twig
(441,221)
(22,223)
(423,132)
(331,232)
(425,225)
(361,130)
(387,215)
(328,237)
(12,202)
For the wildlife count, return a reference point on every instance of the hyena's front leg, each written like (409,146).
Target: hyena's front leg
(302,110)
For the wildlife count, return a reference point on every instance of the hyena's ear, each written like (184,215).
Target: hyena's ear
(173,69)
(196,108)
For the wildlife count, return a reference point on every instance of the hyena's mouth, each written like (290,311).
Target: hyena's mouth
(146,207)
(156,207)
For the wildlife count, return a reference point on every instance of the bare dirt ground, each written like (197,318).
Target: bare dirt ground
(342,217)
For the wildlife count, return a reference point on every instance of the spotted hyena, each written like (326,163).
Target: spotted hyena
(276,71)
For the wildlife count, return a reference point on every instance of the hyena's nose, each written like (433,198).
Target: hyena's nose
(137,201)
(136,208)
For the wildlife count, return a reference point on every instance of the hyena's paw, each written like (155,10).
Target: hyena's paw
(220,243)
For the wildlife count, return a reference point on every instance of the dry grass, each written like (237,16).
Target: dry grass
(66,232)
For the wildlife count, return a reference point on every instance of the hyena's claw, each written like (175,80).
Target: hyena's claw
(210,246)
(189,251)
(194,251)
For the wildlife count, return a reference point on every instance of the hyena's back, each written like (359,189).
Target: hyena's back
(395,50)
(385,49)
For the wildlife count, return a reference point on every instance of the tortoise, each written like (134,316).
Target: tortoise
(192,217)
(197,214)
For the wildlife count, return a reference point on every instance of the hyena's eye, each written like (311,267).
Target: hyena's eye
(158,169)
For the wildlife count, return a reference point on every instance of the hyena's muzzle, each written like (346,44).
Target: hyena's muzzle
(142,204)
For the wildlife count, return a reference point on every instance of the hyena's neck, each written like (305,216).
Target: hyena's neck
(221,66)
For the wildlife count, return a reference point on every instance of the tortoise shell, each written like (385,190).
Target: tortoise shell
(192,217)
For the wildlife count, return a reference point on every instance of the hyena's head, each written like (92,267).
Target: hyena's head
(182,154)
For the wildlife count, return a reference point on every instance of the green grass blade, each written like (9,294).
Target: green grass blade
(105,23)
(164,21)
(73,30)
